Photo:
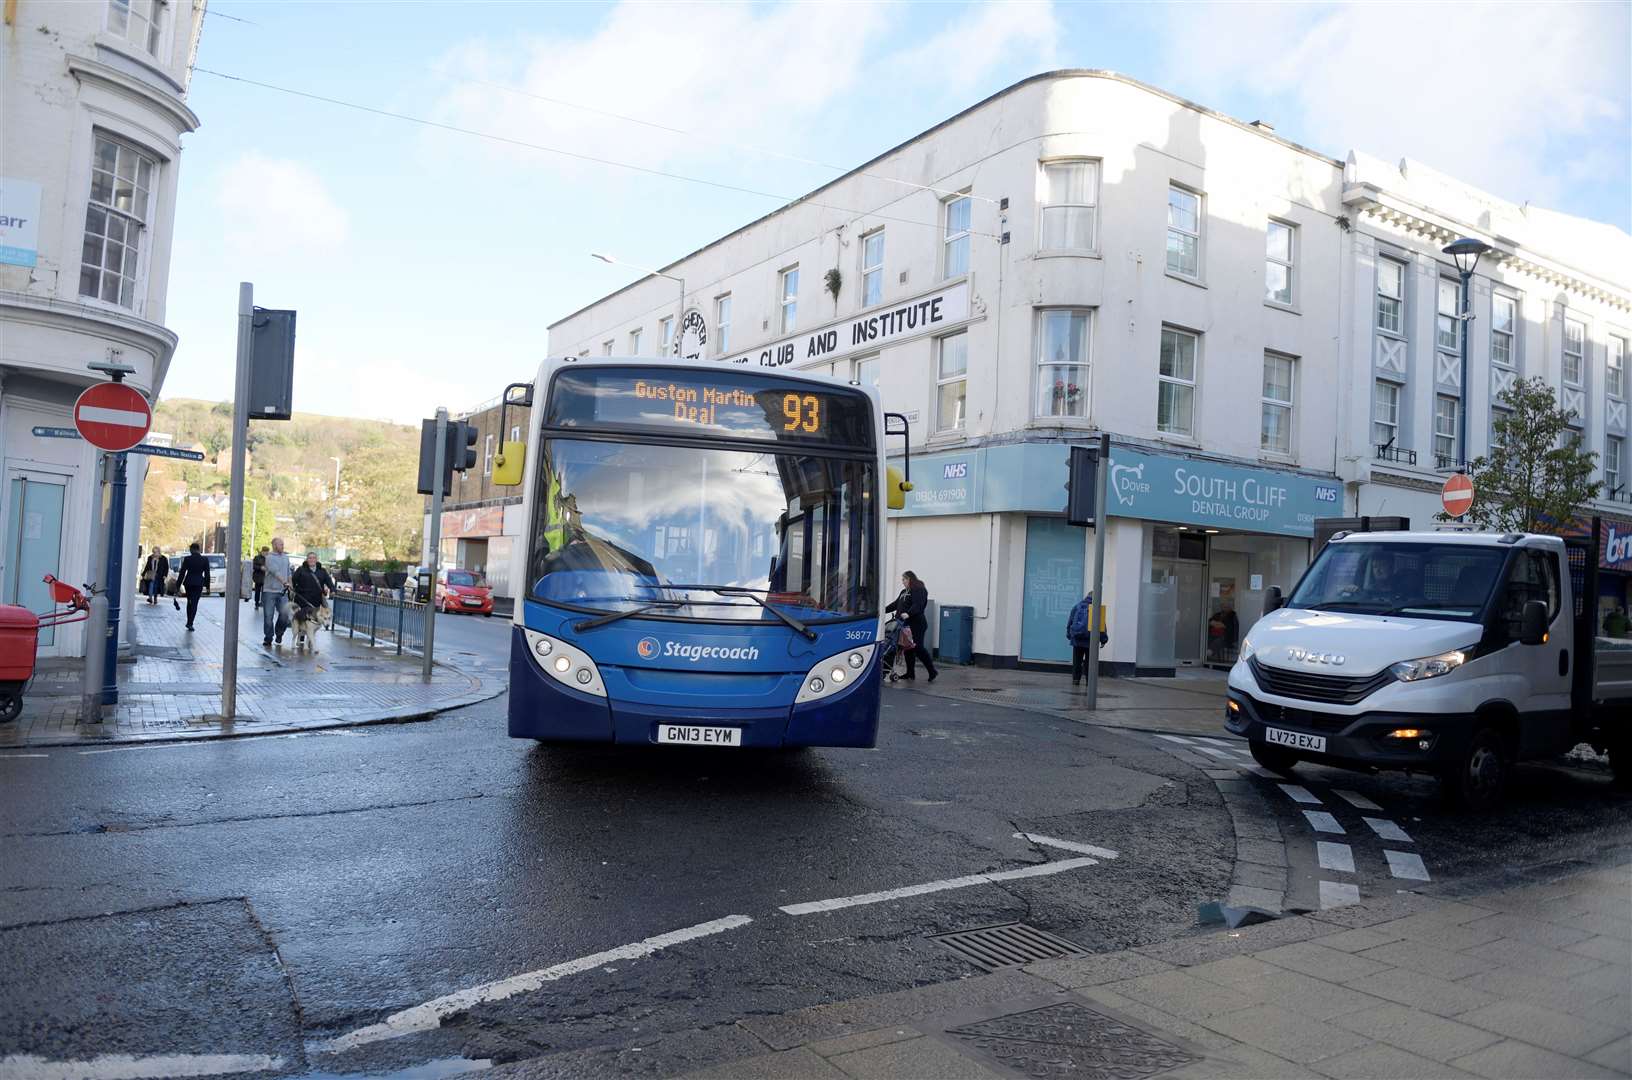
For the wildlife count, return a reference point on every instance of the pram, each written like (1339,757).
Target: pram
(892,648)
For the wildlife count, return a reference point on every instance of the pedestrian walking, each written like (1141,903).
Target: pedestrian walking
(311,584)
(257,575)
(155,572)
(910,605)
(275,605)
(1078,634)
(194,576)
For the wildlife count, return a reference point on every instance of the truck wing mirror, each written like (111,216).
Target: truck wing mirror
(1533,624)
(1273,601)
(508,462)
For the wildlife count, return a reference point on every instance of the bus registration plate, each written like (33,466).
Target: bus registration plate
(699,736)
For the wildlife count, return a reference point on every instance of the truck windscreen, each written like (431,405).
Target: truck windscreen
(1418,581)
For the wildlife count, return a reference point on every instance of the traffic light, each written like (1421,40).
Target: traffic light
(462,445)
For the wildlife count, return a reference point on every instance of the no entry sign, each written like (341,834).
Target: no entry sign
(112,416)
(1457,494)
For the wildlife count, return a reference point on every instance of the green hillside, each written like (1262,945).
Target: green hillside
(291,475)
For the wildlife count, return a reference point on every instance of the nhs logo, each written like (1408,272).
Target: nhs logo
(956,470)
(1325,494)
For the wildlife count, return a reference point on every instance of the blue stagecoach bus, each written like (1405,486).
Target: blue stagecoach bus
(701,559)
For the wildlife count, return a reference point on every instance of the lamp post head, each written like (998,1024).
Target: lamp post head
(1465,253)
(603,258)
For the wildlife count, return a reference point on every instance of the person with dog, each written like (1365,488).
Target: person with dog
(194,579)
(910,607)
(311,587)
(275,605)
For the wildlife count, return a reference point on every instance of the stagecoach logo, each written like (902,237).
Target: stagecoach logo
(649,648)
(693,337)
(1335,659)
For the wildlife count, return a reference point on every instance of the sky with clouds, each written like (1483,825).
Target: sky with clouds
(426,264)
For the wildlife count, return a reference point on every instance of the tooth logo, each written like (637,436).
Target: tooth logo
(648,647)
(1128,481)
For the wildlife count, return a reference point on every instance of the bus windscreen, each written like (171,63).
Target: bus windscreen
(734,404)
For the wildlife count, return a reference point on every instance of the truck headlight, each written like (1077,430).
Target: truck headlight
(830,676)
(1429,667)
(1247,648)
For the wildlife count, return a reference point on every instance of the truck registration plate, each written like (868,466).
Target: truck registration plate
(1297,740)
(691,735)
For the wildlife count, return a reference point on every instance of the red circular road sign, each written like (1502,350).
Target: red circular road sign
(112,416)
(1457,494)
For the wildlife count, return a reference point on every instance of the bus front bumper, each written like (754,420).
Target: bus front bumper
(541,708)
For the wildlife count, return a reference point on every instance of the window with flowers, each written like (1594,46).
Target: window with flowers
(1062,362)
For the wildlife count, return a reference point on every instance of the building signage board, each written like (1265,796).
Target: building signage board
(1162,487)
(692,340)
(1614,541)
(19,222)
(944,484)
(868,331)
(482,521)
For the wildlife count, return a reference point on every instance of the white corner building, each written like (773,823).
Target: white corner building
(1083,253)
(94,108)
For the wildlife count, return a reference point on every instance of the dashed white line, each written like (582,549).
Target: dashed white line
(1387,830)
(1180,739)
(1225,743)
(1299,793)
(154,746)
(1040,870)
(1356,800)
(1215,752)
(1406,864)
(1323,822)
(1067,845)
(136,1067)
(1338,894)
(16,757)
(430,1015)
(1334,856)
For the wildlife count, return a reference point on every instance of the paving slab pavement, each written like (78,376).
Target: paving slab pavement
(170,687)
(1337,994)
(1191,703)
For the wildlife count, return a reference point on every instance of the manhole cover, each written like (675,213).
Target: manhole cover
(1072,1040)
(1008,945)
(985,689)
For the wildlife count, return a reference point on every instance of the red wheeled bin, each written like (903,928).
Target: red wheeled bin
(19,640)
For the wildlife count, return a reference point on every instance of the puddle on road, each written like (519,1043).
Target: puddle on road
(439,1069)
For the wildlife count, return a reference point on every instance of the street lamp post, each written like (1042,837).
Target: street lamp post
(1465,253)
(680,309)
(334,507)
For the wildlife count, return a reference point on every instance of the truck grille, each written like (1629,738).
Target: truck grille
(1308,720)
(1310,686)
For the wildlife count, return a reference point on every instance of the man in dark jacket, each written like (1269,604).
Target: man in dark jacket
(311,583)
(910,606)
(194,575)
(257,575)
(1077,633)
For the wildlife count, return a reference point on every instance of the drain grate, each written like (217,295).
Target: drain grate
(1008,945)
(1072,1040)
(984,689)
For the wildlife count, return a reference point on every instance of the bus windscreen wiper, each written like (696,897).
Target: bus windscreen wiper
(737,590)
(590,624)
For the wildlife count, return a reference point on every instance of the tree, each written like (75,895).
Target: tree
(1536,477)
(378,511)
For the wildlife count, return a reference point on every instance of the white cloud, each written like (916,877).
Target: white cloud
(960,57)
(1495,94)
(273,207)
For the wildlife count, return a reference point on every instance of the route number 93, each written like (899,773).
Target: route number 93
(802,411)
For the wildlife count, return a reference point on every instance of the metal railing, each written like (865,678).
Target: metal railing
(383,617)
(1398,455)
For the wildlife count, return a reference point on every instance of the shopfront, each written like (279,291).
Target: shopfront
(1192,548)
(1614,601)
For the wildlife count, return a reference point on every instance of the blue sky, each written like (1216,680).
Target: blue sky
(426,264)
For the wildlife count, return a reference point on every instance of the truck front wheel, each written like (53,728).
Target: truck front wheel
(1273,758)
(1478,777)
(1620,761)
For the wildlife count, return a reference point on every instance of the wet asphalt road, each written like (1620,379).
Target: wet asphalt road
(261,896)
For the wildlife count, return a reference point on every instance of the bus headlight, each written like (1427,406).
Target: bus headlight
(834,674)
(566,664)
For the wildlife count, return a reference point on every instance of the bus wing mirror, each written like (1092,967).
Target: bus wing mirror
(896,488)
(1533,624)
(508,464)
(1273,601)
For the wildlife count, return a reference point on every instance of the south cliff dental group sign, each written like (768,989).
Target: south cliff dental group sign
(881,326)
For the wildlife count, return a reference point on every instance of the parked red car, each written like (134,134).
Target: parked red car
(463,590)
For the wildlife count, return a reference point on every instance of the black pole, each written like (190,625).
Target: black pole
(1462,411)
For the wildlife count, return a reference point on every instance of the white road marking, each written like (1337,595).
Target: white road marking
(155,746)
(135,1067)
(1335,856)
(18,757)
(1040,870)
(1225,743)
(1322,821)
(1066,845)
(1215,752)
(123,417)
(429,1016)
(1338,894)
(1387,830)
(1178,739)
(1356,800)
(1406,864)
(1299,793)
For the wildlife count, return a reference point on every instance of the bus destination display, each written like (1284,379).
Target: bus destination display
(737,404)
